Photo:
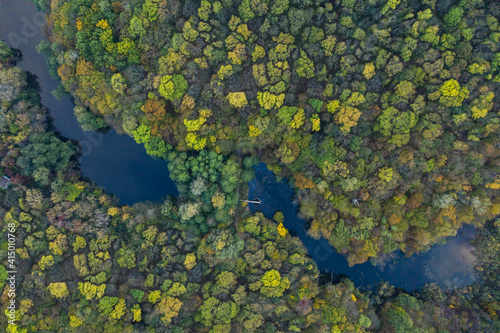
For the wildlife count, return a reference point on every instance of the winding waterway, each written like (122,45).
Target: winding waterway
(449,265)
(113,161)
(123,168)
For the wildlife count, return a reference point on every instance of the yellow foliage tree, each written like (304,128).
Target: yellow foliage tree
(225,71)
(238,55)
(452,93)
(119,309)
(259,52)
(237,99)
(340,168)
(154,296)
(218,200)
(495,185)
(79,24)
(91,291)
(253,131)
(195,142)
(80,263)
(478,113)
(386,174)
(298,119)
(103,24)
(243,30)
(205,113)
(347,117)
(315,123)
(75,321)
(112,211)
(369,71)
(282,231)
(190,261)
(269,101)
(59,245)
(169,307)
(58,289)
(273,285)
(136,311)
(46,262)
(194,125)
(333,106)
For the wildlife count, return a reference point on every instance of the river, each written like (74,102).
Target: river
(113,161)
(450,265)
(123,168)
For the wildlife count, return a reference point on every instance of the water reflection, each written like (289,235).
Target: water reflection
(454,270)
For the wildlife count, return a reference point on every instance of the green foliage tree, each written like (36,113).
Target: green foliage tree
(45,151)
(396,124)
(172,87)
(213,311)
(304,66)
(245,10)
(453,16)
(452,94)
(273,285)
(125,258)
(137,294)
(118,83)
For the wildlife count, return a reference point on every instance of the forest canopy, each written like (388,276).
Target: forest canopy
(387,110)
(383,114)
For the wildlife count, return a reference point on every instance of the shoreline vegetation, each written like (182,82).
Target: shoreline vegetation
(382,114)
(86,264)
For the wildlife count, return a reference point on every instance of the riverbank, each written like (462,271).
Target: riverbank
(113,161)
(449,265)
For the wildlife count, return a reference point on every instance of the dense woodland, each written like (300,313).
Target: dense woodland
(382,113)
(86,264)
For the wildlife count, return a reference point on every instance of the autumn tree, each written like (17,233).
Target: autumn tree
(58,289)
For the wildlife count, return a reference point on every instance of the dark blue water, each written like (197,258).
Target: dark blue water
(113,161)
(449,265)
